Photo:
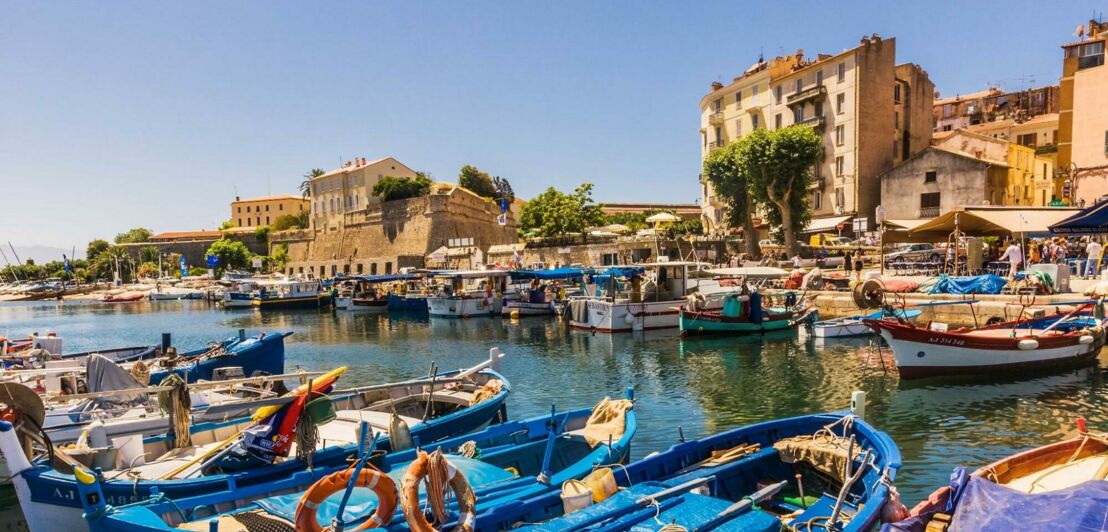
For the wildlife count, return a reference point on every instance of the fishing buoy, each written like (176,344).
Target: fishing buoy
(628,318)
(1086,339)
(515,315)
(1028,344)
(858,404)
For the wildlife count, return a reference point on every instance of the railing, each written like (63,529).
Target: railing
(816,122)
(1046,149)
(1090,61)
(716,119)
(817,183)
(818,91)
(929,212)
(715,144)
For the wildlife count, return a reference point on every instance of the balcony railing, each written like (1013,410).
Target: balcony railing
(811,93)
(817,184)
(715,119)
(929,212)
(815,122)
(1046,149)
(1090,61)
(715,145)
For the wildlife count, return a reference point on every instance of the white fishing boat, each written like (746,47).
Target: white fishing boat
(540,292)
(468,294)
(641,297)
(287,293)
(173,293)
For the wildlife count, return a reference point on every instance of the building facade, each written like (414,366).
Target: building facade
(992,105)
(1083,117)
(1030,179)
(686,211)
(347,191)
(936,180)
(257,212)
(871,114)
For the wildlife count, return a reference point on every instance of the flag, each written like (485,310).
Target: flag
(66,261)
(275,430)
(184,269)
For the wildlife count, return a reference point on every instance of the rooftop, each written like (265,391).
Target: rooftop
(353,165)
(991,91)
(271,198)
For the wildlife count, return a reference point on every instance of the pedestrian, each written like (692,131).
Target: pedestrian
(1092,258)
(848,263)
(858,264)
(796,261)
(1034,257)
(1015,257)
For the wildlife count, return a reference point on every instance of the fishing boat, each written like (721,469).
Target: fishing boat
(1052,342)
(637,298)
(289,293)
(124,297)
(539,290)
(467,294)
(173,293)
(742,313)
(239,292)
(489,470)
(369,293)
(231,460)
(848,326)
(1059,486)
(786,474)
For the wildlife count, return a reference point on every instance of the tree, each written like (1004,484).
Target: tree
(95,248)
(148,270)
(504,189)
(391,188)
(477,182)
(138,234)
(722,169)
(231,254)
(306,184)
(779,165)
(280,256)
(554,213)
(148,254)
(290,221)
(229,224)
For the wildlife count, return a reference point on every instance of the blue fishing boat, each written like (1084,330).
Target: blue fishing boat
(238,457)
(502,464)
(790,471)
(264,353)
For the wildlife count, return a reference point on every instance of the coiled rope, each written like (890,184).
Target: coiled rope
(178,404)
(436,484)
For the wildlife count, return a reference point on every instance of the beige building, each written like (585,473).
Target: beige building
(937,180)
(257,212)
(870,112)
(1083,117)
(993,105)
(346,191)
(1030,176)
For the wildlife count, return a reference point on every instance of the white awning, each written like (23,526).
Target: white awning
(826,224)
(506,249)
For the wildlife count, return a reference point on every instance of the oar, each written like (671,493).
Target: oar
(555,430)
(259,415)
(1063,318)
(742,506)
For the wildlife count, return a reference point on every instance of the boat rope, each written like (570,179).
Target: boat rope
(178,404)
(141,372)
(469,449)
(306,437)
(436,485)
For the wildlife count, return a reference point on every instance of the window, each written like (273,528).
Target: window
(280,206)
(817,171)
(259,220)
(717,104)
(819,109)
(738,127)
(754,122)
(798,114)
(896,93)
(819,77)
(840,103)
(948,110)
(388,268)
(931,176)
(346,269)
(929,200)
(267,208)
(373,269)
(842,72)
(896,149)
(1106,142)
(240,222)
(839,166)
(840,197)
(840,135)
(739,98)
(799,85)
(777,91)
(361,268)
(267,220)
(777,120)
(896,119)
(240,209)
(1026,140)
(817,201)
(334,269)
(1090,55)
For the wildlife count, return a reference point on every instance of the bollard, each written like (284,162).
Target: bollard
(858,404)
(166,342)
(242,334)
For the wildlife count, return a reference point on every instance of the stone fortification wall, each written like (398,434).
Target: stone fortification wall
(194,250)
(396,234)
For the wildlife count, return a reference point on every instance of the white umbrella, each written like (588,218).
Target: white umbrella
(615,228)
(662,217)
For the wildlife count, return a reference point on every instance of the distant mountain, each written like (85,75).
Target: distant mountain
(40,254)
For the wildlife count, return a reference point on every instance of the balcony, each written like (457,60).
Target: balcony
(811,93)
(715,145)
(716,119)
(817,184)
(1090,61)
(814,122)
(1046,149)
(929,212)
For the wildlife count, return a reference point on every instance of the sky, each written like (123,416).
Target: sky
(122,114)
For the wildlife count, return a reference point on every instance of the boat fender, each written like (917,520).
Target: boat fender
(893,510)
(400,435)
(629,318)
(1028,344)
(370,478)
(1086,339)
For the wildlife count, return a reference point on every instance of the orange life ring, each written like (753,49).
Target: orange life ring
(370,478)
(413,513)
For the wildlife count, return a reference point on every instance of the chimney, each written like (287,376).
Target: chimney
(236,198)
(716,86)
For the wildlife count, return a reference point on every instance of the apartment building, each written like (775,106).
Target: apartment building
(1083,116)
(348,189)
(870,112)
(257,212)
(993,105)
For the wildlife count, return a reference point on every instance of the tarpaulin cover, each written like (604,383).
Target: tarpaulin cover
(104,375)
(548,275)
(899,285)
(363,502)
(978,284)
(625,271)
(986,506)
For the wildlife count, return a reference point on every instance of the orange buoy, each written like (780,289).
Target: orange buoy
(370,478)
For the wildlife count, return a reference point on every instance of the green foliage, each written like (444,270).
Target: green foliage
(503,189)
(95,248)
(279,257)
(232,254)
(391,188)
(148,254)
(778,165)
(554,213)
(637,221)
(722,169)
(229,224)
(198,271)
(138,234)
(306,184)
(148,270)
(285,222)
(476,181)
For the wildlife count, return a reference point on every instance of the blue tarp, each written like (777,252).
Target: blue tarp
(986,506)
(548,275)
(617,271)
(978,284)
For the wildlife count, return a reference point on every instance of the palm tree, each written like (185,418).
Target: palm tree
(306,184)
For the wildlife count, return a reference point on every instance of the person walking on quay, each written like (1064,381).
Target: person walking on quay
(858,264)
(848,263)
(1015,257)
(1092,258)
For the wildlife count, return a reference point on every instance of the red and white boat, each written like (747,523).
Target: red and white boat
(1053,342)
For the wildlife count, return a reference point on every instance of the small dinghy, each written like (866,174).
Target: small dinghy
(486,472)
(742,313)
(241,456)
(854,325)
(818,472)
(1060,486)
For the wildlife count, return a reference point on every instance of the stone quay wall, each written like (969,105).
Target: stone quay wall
(195,250)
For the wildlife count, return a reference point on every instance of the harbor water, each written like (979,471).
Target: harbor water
(692,387)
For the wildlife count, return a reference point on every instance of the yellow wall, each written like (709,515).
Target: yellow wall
(257,212)
(1030,177)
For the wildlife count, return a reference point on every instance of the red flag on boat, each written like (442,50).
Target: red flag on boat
(275,430)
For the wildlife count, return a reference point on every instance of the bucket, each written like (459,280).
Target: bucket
(602,483)
(575,496)
(320,410)
(130,450)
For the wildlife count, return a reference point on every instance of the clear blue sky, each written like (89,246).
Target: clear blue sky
(123,114)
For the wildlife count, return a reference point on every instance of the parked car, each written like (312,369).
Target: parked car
(913,253)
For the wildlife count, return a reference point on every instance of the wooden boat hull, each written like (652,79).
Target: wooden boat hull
(714,322)
(371,306)
(278,303)
(923,353)
(464,307)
